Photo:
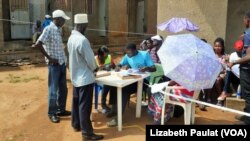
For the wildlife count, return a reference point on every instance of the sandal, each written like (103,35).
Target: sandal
(112,123)
(222,97)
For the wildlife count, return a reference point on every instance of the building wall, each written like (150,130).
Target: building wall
(1,26)
(6,24)
(209,15)
(118,17)
(151,16)
(235,26)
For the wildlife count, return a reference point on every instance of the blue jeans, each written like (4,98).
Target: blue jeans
(57,89)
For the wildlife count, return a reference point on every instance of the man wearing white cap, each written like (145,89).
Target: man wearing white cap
(47,21)
(51,45)
(82,67)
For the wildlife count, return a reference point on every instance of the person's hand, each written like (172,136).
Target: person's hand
(107,67)
(230,65)
(53,61)
(101,67)
(117,68)
(126,67)
(143,69)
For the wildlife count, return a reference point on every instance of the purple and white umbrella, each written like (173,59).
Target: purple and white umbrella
(189,61)
(176,25)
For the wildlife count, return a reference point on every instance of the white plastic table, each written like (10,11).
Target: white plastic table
(113,80)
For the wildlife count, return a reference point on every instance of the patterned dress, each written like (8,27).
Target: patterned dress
(157,101)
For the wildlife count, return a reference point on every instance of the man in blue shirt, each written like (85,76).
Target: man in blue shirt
(245,69)
(47,21)
(134,59)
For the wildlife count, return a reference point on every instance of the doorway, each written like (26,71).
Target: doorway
(20,21)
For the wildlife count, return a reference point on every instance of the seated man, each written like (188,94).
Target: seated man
(136,60)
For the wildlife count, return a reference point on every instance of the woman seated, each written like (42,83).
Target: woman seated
(104,62)
(230,77)
(157,101)
(219,50)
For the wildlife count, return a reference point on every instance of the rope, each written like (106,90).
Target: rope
(208,104)
(89,29)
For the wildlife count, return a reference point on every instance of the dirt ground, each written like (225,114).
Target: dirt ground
(23,108)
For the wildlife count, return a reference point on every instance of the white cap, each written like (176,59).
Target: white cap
(81,18)
(156,37)
(47,16)
(60,13)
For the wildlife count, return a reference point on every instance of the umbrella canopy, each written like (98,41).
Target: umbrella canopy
(176,25)
(189,61)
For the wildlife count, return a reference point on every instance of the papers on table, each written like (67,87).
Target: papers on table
(129,74)
(102,73)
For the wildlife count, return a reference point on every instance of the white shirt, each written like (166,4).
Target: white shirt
(235,69)
(81,60)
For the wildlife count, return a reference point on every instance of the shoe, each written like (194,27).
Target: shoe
(54,119)
(105,109)
(240,117)
(220,103)
(202,107)
(111,114)
(209,100)
(92,137)
(143,103)
(64,113)
(76,129)
(240,123)
(112,123)
(222,97)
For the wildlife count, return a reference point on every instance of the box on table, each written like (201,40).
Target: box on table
(102,73)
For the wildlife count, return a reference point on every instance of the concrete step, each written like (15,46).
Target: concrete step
(235,103)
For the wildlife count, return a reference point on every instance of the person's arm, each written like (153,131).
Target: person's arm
(88,54)
(150,67)
(172,83)
(123,62)
(112,64)
(39,44)
(242,60)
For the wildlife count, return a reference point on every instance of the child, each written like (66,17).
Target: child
(104,62)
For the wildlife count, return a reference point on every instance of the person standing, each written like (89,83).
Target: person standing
(245,69)
(36,31)
(51,45)
(47,21)
(82,67)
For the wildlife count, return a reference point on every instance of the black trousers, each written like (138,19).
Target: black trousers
(126,92)
(81,108)
(105,91)
(245,89)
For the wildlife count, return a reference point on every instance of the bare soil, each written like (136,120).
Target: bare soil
(23,108)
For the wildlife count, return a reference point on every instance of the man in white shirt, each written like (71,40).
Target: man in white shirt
(82,67)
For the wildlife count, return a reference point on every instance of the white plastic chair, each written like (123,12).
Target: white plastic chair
(189,107)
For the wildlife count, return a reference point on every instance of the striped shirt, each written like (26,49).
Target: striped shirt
(53,45)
